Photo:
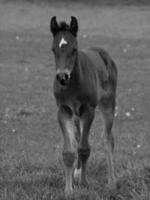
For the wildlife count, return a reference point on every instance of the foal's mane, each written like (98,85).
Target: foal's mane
(63,26)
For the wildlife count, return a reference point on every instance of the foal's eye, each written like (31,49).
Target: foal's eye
(53,50)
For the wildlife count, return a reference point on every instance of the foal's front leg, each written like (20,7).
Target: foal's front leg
(67,126)
(86,119)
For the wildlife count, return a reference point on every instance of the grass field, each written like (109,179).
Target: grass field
(30,139)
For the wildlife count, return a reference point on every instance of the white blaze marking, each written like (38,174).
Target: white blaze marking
(62,41)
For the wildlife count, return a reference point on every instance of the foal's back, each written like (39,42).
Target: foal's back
(99,70)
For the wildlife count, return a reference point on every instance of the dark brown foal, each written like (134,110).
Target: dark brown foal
(84,79)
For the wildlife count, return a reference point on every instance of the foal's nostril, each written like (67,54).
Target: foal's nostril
(57,77)
(66,77)
(62,78)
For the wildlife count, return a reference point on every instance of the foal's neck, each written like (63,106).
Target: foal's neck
(76,73)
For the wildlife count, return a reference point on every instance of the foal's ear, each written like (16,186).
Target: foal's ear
(74,25)
(54,26)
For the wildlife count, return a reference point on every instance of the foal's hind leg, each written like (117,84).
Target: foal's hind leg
(67,126)
(108,115)
(86,119)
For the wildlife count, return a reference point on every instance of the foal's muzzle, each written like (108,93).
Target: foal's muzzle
(63,77)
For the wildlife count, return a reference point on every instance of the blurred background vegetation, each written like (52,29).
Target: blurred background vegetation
(90,2)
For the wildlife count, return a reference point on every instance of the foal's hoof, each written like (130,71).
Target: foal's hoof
(68,193)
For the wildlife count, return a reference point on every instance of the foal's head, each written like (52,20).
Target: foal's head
(64,48)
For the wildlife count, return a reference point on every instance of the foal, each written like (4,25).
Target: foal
(84,79)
